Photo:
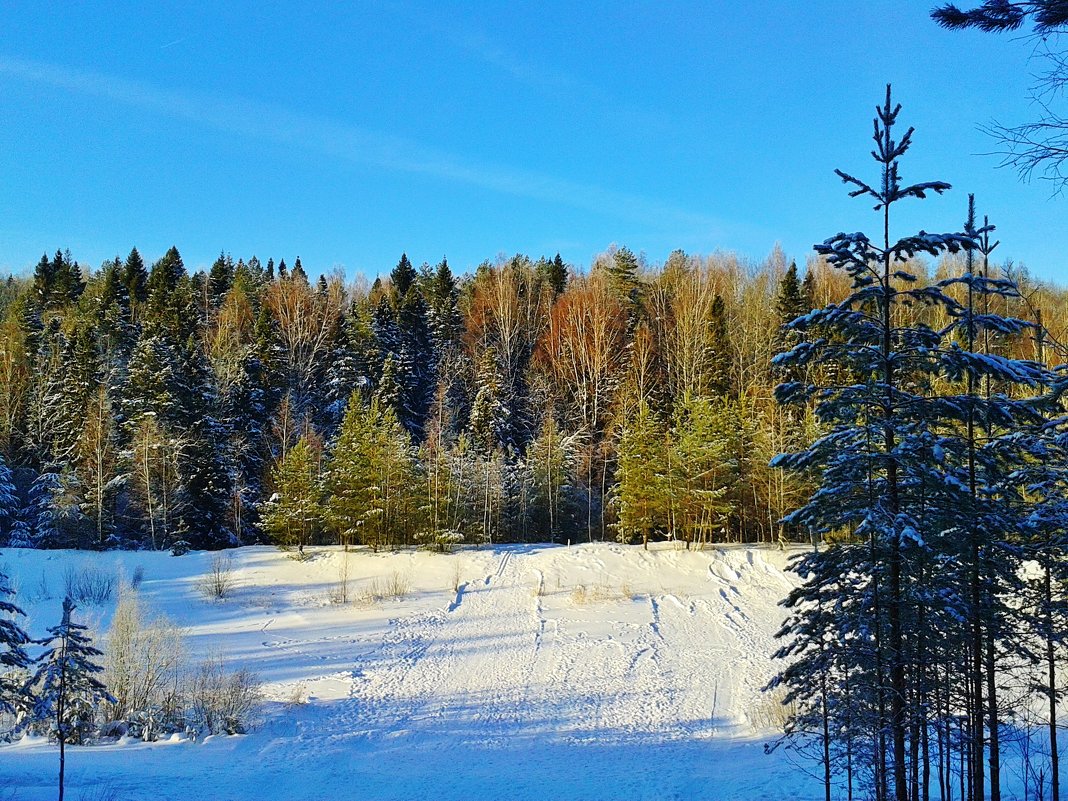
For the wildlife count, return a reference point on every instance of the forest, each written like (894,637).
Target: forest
(148,407)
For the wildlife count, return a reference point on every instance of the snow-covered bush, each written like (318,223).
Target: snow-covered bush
(441,539)
(89,585)
(221,701)
(219,581)
(142,670)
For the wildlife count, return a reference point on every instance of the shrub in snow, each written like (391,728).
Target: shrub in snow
(221,701)
(219,581)
(89,585)
(142,670)
(441,539)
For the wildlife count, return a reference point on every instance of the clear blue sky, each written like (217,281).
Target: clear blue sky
(347,135)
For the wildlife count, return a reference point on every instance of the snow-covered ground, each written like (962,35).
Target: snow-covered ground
(592,672)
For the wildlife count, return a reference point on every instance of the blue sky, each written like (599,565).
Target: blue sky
(347,135)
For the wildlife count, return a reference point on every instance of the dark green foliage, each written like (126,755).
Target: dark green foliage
(221,278)
(135,277)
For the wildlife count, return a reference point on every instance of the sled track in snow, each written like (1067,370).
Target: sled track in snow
(507,659)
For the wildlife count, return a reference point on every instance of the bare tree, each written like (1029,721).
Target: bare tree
(1038,148)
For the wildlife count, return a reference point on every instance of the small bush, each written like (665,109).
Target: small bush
(456,576)
(298,696)
(99,792)
(138,577)
(89,585)
(396,585)
(41,590)
(443,540)
(771,712)
(598,593)
(142,670)
(221,701)
(338,593)
(219,582)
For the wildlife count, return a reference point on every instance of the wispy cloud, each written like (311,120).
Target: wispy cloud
(506,56)
(355,145)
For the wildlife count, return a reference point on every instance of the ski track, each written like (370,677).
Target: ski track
(585,673)
(506,659)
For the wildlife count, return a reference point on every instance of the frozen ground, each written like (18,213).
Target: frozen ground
(592,672)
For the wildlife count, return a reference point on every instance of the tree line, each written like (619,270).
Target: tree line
(148,406)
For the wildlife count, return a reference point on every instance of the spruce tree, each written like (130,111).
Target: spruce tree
(13,642)
(10,506)
(65,685)
(489,421)
(135,277)
(221,278)
(883,477)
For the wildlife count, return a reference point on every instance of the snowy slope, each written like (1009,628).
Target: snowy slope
(592,672)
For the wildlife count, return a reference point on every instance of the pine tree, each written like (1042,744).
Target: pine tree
(65,684)
(623,270)
(642,492)
(701,467)
(294,512)
(371,481)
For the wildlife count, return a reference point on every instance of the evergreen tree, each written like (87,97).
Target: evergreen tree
(403,276)
(298,273)
(294,512)
(554,272)
(65,685)
(720,356)
(623,270)
(923,501)
(13,656)
(417,377)
(135,278)
(790,303)
(44,280)
(371,478)
(642,492)
(489,421)
(701,467)
(221,278)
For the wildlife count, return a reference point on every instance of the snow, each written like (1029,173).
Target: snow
(597,671)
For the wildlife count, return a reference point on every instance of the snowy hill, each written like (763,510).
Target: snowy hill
(519,672)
